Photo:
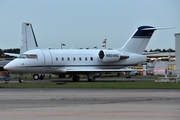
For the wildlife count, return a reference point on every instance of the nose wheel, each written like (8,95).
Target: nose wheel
(21,78)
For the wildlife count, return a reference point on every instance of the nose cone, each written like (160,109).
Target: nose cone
(11,66)
(7,66)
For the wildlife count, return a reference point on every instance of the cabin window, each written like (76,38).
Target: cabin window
(86,58)
(62,59)
(33,56)
(79,58)
(91,58)
(74,58)
(56,58)
(68,58)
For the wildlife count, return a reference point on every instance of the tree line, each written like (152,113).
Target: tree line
(14,50)
(17,50)
(159,50)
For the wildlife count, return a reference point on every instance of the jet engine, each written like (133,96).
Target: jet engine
(109,55)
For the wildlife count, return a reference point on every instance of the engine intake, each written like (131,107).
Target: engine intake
(109,55)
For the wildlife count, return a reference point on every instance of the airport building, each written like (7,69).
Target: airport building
(165,62)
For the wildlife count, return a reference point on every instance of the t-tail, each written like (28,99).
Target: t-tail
(139,40)
(28,38)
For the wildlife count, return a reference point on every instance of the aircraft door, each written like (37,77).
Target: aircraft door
(47,59)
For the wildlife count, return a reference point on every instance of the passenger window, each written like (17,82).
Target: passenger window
(62,59)
(74,58)
(91,58)
(56,58)
(79,58)
(86,58)
(68,58)
(33,56)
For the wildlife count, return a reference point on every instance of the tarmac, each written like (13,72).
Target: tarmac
(89,104)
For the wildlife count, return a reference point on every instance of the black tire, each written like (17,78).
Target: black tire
(21,80)
(76,78)
(36,76)
(41,77)
(91,80)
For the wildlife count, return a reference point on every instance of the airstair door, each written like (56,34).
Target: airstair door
(47,59)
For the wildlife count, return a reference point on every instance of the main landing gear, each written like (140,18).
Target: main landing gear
(75,78)
(90,78)
(38,76)
(21,78)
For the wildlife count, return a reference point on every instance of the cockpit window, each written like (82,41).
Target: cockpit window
(34,56)
(23,56)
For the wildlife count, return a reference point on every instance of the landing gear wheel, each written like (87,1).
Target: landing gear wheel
(128,76)
(21,80)
(41,77)
(36,76)
(75,78)
(91,79)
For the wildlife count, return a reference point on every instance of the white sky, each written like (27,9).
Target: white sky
(83,23)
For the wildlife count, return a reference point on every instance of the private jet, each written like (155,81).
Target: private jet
(81,61)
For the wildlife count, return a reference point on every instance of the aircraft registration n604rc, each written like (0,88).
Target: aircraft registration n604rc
(84,61)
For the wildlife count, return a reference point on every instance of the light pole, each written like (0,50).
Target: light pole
(104,41)
(95,47)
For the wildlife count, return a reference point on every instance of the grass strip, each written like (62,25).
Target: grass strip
(110,85)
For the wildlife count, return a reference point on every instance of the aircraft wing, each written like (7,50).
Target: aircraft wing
(12,54)
(98,70)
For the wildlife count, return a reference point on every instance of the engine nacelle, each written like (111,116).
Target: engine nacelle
(109,55)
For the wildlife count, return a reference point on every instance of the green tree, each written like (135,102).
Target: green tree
(157,50)
(164,50)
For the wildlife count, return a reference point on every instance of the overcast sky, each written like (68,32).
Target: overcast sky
(84,23)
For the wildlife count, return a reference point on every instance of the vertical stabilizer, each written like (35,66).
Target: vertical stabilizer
(28,38)
(139,40)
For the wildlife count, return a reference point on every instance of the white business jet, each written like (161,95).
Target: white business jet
(84,61)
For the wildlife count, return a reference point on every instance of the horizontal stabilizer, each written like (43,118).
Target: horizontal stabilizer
(160,28)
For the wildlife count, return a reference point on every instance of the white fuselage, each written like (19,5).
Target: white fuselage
(72,61)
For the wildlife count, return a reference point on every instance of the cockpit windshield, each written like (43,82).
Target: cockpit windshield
(23,56)
(29,56)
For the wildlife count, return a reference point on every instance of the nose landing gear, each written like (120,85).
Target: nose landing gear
(21,78)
